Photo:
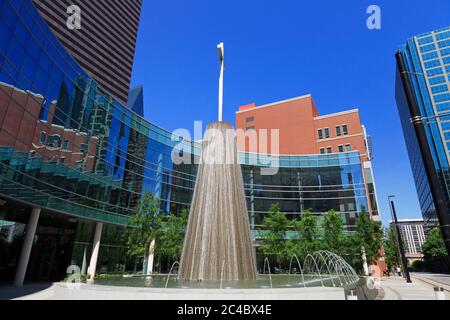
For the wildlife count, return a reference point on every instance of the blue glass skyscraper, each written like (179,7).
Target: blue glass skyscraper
(423,100)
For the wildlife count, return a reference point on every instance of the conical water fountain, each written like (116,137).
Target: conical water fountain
(218,243)
(218,246)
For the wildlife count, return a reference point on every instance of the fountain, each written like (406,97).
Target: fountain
(218,231)
(217,246)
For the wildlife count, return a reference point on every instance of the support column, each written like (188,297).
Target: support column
(95,250)
(27,246)
(252,200)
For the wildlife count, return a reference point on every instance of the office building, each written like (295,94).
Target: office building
(104,45)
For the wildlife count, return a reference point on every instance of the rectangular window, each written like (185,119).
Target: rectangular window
(338,131)
(442,97)
(341,148)
(434,72)
(446,60)
(439,89)
(443,107)
(444,44)
(320,134)
(437,80)
(329,150)
(345,129)
(66,145)
(327,133)
(348,148)
(429,56)
(428,47)
(322,150)
(445,52)
(250,128)
(84,148)
(443,35)
(432,64)
(250,119)
(425,40)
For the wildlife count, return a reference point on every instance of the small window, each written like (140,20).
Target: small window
(250,119)
(345,129)
(320,134)
(84,148)
(322,150)
(338,131)
(66,145)
(348,148)
(54,141)
(329,150)
(42,137)
(341,148)
(327,133)
(250,128)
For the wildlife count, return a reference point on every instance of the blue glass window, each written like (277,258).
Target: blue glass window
(445,52)
(439,89)
(442,97)
(7,13)
(428,47)
(445,126)
(432,63)
(443,107)
(433,72)
(447,136)
(444,44)
(437,80)
(429,56)
(425,40)
(442,36)
(29,67)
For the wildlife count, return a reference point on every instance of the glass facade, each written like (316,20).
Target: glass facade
(68,147)
(427,60)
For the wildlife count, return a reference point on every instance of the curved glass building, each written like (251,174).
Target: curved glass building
(70,150)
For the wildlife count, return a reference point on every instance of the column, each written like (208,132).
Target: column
(252,201)
(27,246)
(95,250)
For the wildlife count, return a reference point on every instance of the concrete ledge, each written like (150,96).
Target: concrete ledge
(95,292)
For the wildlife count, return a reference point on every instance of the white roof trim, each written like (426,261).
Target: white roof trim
(274,103)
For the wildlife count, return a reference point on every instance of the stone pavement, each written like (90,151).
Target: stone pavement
(396,288)
(60,291)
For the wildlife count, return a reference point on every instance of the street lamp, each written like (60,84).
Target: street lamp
(399,239)
(221,49)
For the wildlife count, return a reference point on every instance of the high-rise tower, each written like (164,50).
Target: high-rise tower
(105,44)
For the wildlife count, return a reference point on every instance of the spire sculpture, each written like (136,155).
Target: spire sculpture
(218,245)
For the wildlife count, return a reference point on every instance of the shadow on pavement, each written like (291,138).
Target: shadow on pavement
(9,292)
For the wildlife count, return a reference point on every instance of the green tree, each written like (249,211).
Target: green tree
(274,241)
(390,248)
(333,232)
(308,234)
(370,235)
(171,237)
(434,248)
(143,228)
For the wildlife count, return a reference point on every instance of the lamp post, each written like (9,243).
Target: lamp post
(399,239)
(221,49)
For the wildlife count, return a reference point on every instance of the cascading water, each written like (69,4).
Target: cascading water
(218,245)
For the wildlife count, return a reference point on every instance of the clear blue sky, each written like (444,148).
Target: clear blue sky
(282,49)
